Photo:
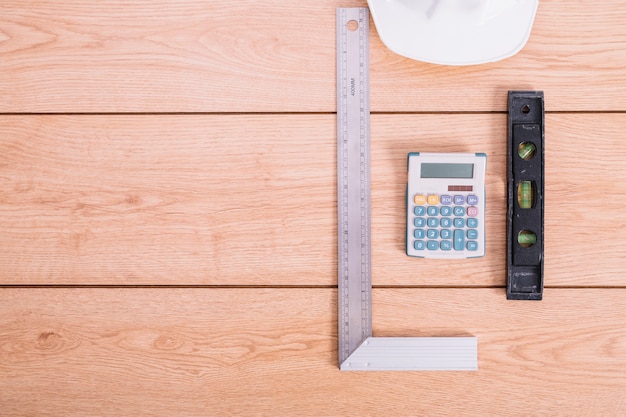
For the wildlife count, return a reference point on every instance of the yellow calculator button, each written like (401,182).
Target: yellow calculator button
(419,199)
(433,199)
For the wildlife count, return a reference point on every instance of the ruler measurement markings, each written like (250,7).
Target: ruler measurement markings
(353,162)
(358,350)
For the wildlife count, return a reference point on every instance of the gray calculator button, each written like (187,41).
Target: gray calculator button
(472,200)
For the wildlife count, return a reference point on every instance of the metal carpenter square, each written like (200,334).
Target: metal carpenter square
(355,323)
(358,350)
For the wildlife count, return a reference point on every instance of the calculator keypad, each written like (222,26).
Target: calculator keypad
(447,222)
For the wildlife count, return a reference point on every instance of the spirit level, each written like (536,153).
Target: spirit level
(525,195)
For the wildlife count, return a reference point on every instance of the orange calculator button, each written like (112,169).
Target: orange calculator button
(419,199)
(433,199)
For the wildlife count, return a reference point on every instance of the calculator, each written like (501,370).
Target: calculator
(446,205)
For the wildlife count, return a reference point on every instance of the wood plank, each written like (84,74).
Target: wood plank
(273,352)
(168,200)
(251,200)
(570,43)
(222,56)
(585,190)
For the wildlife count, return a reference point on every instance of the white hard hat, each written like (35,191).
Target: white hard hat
(454,32)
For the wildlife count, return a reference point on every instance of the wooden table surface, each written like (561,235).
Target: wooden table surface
(168,214)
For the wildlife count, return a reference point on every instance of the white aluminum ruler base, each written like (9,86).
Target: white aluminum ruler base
(358,350)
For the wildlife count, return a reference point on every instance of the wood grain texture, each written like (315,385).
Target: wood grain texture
(214,351)
(251,200)
(168,200)
(224,197)
(222,56)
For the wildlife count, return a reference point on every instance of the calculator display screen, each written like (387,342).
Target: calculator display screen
(444,170)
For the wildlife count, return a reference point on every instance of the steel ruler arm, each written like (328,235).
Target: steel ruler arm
(413,353)
(358,350)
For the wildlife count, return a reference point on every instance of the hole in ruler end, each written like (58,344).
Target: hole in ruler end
(352,25)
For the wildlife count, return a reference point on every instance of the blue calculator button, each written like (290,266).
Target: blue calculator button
(433,233)
(433,222)
(446,234)
(419,210)
(433,211)
(459,240)
(459,222)
(446,211)
(446,245)
(419,245)
(472,245)
(473,223)
(445,199)
(419,222)
(433,245)
(445,222)
(472,200)
(459,211)
(419,233)
(472,234)
(459,200)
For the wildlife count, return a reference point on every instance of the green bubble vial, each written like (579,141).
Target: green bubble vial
(526,238)
(526,150)
(526,194)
